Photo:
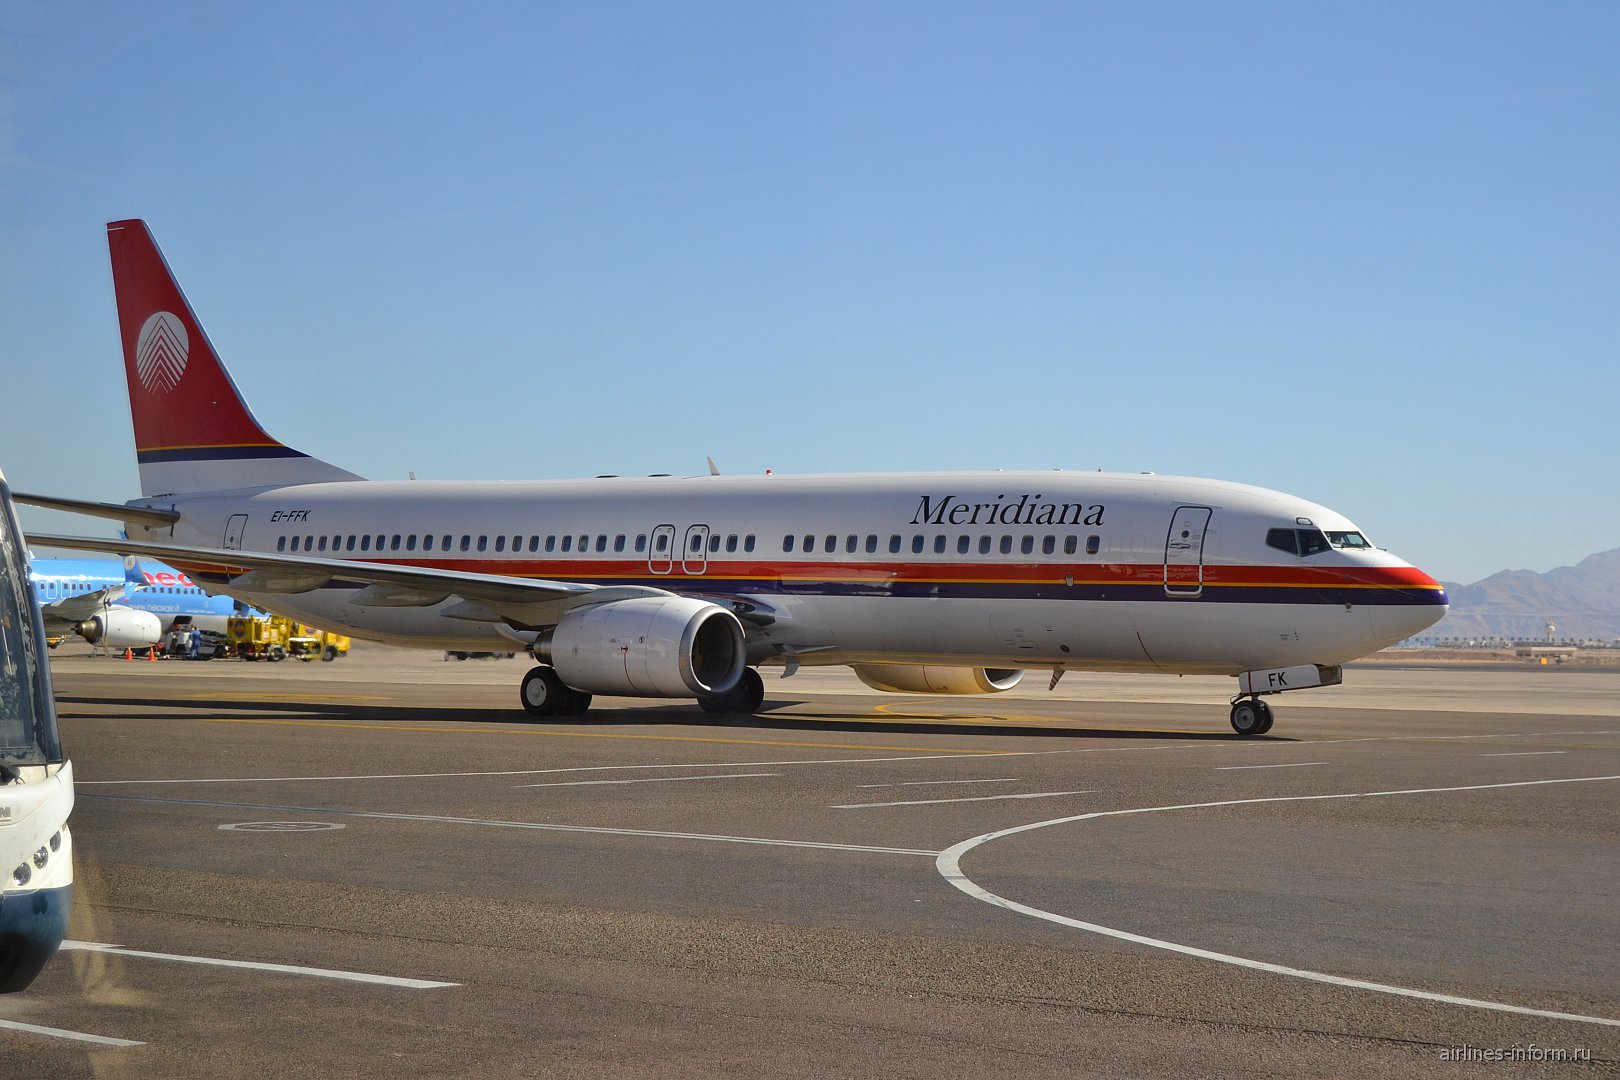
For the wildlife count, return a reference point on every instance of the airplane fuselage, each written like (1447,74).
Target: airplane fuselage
(1129,572)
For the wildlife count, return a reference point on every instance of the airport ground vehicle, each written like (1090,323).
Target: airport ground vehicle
(36,778)
(275,638)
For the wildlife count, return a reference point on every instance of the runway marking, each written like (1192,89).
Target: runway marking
(541,826)
(936,783)
(976,798)
(63,1033)
(649,780)
(949,865)
(1528,753)
(251,965)
(1287,765)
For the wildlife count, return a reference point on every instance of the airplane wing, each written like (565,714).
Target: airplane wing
(526,603)
(71,610)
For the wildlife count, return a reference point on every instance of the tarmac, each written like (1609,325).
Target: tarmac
(380,867)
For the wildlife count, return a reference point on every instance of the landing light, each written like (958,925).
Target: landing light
(21,875)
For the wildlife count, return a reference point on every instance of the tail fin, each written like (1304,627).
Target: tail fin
(193,431)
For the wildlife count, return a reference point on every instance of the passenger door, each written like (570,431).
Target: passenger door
(233,532)
(695,551)
(661,550)
(1184,551)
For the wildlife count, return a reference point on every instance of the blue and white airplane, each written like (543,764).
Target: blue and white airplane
(122,604)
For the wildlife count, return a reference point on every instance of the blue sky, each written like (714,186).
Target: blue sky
(1365,253)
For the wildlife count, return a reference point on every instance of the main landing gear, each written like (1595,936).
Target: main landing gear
(746,697)
(1251,716)
(544,694)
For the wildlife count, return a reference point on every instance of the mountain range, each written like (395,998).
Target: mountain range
(1581,601)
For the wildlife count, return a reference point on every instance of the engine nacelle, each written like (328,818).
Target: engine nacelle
(653,646)
(933,679)
(121,628)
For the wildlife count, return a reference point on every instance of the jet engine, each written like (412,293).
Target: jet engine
(653,646)
(933,679)
(121,628)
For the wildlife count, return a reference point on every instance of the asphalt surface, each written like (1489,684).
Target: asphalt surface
(1426,860)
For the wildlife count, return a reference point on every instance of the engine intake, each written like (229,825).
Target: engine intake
(933,679)
(655,646)
(121,628)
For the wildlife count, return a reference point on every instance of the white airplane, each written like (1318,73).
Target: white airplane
(684,587)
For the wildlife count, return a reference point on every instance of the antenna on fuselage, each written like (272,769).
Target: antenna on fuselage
(714,470)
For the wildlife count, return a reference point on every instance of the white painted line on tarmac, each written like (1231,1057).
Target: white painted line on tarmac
(949,865)
(63,1033)
(976,798)
(1528,753)
(935,783)
(536,825)
(250,965)
(617,768)
(649,780)
(1289,765)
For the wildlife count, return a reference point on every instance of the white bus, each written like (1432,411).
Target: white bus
(36,779)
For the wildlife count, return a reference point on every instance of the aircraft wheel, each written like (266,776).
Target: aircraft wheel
(1249,717)
(574,703)
(746,697)
(543,693)
(1266,717)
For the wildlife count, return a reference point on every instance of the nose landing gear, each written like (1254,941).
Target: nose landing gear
(1251,716)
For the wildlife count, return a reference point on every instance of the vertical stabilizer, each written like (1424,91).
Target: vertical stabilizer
(193,431)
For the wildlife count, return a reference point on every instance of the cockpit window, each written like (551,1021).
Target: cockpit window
(1348,540)
(1306,542)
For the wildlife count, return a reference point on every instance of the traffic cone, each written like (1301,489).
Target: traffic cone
(129,654)
(151,653)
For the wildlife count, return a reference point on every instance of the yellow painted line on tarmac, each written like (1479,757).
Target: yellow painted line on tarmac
(238,695)
(597,735)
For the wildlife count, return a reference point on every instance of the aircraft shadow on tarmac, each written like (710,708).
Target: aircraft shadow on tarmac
(647,717)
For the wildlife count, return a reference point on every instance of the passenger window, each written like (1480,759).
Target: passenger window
(1027,545)
(365,543)
(281,543)
(584,544)
(568,543)
(871,543)
(641,541)
(831,545)
(1048,544)
(444,542)
(551,543)
(809,543)
(748,542)
(517,542)
(661,544)
(851,542)
(323,543)
(787,543)
(1071,544)
(410,542)
(1006,545)
(618,542)
(963,544)
(393,545)
(427,543)
(483,542)
(1093,545)
(601,542)
(500,543)
(939,545)
(731,544)
(984,545)
(714,542)
(348,543)
(917,544)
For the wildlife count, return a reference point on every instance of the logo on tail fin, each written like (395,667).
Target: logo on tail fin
(160,355)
